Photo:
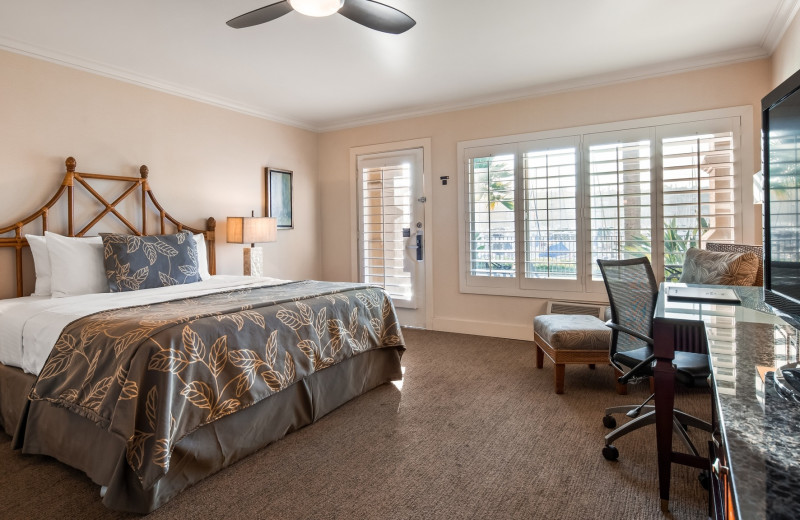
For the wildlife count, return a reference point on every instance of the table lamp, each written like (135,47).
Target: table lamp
(252,230)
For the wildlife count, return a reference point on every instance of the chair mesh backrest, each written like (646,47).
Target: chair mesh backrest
(742,248)
(632,291)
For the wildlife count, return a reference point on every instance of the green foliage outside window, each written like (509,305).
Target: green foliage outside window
(676,243)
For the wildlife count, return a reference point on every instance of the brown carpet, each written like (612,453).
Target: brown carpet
(476,432)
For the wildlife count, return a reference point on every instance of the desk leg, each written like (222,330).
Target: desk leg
(664,380)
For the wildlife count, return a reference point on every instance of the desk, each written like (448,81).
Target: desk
(757,431)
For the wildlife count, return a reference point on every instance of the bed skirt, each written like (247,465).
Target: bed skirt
(101,455)
(14,388)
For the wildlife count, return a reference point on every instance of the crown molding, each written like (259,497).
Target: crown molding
(781,20)
(600,80)
(102,69)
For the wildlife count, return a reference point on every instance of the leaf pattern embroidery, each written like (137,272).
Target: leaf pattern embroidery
(219,356)
(60,360)
(170,360)
(193,343)
(207,350)
(150,253)
(98,393)
(199,394)
(291,319)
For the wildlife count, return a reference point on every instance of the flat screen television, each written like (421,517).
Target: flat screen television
(780,141)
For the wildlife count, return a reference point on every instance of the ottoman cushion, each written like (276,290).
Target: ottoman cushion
(572,331)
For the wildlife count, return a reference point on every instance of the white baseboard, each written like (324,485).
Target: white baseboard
(484,328)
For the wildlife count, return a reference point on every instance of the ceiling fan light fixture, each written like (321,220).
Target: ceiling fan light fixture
(316,7)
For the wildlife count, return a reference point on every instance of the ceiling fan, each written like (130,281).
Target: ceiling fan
(365,12)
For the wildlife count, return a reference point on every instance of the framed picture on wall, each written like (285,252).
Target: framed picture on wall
(279,197)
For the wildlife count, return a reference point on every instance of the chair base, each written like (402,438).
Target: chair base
(679,419)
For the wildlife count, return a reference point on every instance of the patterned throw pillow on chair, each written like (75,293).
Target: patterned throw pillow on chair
(144,262)
(710,267)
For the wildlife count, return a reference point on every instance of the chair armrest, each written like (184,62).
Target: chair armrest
(629,332)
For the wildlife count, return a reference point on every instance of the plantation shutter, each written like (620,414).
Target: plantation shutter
(490,216)
(620,196)
(550,202)
(385,193)
(698,194)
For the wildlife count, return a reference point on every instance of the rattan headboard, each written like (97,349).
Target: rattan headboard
(137,185)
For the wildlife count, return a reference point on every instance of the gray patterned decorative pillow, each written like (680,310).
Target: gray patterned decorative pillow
(716,268)
(143,262)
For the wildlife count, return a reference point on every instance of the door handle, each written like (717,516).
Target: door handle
(418,246)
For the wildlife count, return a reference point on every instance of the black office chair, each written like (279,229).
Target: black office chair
(632,292)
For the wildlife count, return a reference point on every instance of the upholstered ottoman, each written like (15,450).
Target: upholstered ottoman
(570,338)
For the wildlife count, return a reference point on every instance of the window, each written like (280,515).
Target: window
(540,209)
(550,195)
(620,196)
(698,193)
(492,225)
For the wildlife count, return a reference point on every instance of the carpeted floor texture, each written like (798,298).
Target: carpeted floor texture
(475,433)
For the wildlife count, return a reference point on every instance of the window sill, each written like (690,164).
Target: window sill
(580,295)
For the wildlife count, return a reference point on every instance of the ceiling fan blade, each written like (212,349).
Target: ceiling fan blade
(377,16)
(261,15)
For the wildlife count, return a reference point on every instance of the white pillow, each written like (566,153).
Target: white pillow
(202,257)
(41,264)
(76,265)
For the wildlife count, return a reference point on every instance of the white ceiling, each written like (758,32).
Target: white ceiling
(327,73)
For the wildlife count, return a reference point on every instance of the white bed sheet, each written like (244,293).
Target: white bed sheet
(10,336)
(30,326)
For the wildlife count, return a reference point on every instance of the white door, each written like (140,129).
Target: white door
(391,228)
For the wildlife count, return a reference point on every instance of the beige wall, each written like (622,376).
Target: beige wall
(728,86)
(204,161)
(786,58)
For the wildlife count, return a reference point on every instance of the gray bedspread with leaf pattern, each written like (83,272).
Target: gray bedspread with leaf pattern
(154,373)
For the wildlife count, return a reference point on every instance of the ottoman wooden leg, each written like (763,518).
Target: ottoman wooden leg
(621,388)
(539,357)
(559,378)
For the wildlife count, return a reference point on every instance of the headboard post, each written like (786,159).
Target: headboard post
(143,173)
(69,181)
(18,257)
(211,226)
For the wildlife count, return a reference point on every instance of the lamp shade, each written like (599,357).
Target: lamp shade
(316,7)
(251,230)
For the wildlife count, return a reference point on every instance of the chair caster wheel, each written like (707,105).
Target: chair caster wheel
(609,421)
(705,480)
(610,452)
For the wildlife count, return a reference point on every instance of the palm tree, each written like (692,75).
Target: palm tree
(676,243)
(499,193)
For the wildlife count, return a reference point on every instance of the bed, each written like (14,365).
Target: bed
(150,388)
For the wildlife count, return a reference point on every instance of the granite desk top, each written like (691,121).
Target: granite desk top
(759,426)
